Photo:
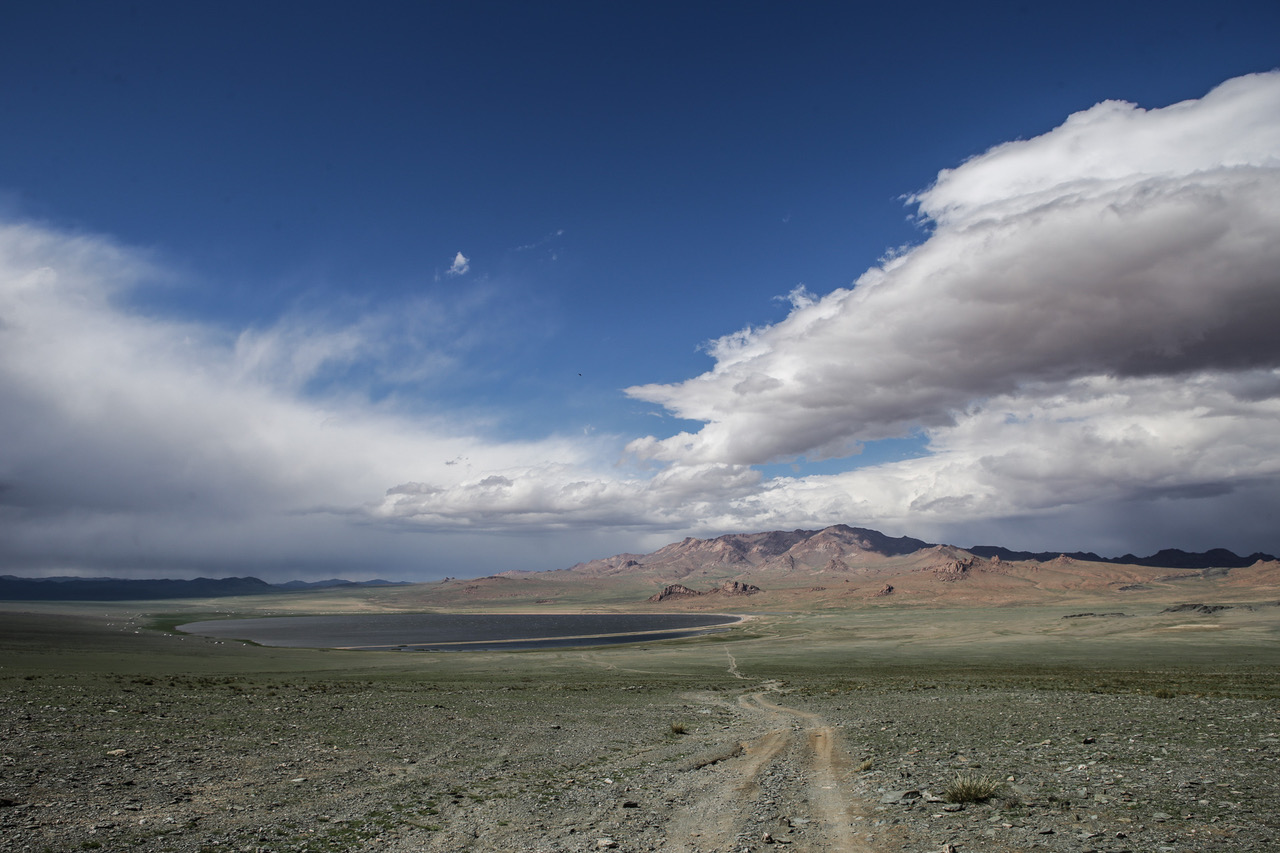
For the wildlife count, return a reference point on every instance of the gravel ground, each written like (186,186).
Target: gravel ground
(1082,771)
(587,762)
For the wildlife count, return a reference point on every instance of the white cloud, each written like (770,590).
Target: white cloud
(1088,333)
(1051,260)
(137,441)
(561,496)
(1092,318)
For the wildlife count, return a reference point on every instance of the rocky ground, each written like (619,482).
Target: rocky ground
(635,761)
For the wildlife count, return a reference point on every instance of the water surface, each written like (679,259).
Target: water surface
(460,631)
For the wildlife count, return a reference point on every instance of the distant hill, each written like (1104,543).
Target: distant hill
(844,566)
(834,564)
(816,549)
(1168,558)
(777,551)
(120,589)
(332,582)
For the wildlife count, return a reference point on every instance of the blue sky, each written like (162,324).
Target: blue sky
(412,290)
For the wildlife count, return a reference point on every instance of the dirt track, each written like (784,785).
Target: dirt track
(588,751)
(797,775)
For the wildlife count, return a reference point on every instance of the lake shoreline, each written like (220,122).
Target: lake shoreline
(460,632)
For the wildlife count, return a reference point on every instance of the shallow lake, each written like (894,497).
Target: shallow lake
(460,631)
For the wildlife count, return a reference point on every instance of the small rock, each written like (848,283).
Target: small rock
(605,844)
(767,838)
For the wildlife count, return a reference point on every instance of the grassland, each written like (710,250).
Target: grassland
(819,730)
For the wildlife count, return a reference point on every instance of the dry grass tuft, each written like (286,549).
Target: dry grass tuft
(971,788)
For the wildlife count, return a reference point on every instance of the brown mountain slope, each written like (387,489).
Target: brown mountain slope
(841,566)
(775,552)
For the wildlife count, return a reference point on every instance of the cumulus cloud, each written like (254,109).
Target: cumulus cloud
(145,444)
(1123,243)
(1091,318)
(561,496)
(461,264)
(1085,337)
(1126,243)
(152,444)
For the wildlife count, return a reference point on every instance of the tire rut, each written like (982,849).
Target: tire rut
(717,815)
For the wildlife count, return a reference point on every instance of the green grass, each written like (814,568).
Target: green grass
(906,648)
(117,676)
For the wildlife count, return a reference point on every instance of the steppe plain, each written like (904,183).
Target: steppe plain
(818,724)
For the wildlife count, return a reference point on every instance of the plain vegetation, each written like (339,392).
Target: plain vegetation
(1151,731)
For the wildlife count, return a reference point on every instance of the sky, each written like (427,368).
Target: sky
(406,290)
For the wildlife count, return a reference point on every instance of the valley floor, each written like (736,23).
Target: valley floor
(144,741)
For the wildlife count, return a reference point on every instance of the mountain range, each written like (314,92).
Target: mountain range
(120,589)
(840,546)
(832,566)
(842,566)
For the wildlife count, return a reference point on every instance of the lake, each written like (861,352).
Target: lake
(460,631)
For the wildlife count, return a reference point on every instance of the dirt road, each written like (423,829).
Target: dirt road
(792,786)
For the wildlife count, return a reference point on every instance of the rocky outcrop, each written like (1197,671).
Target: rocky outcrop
(735,588)
(675,590)
(954,570)
(1196,608)
(679,590)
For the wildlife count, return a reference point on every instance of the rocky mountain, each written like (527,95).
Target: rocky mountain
(779,551)
(835,566)
(122,589)
(839,548)
(1168,558)
(842,565)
